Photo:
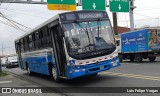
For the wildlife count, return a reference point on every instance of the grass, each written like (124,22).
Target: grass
(3,73)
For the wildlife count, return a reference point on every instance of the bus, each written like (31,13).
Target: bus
(69,45)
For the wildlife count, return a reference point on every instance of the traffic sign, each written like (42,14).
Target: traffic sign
(61,4)
(119,5)
(94,4)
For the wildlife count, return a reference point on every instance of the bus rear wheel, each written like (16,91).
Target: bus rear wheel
(54,75)
(29,70)
(152,59)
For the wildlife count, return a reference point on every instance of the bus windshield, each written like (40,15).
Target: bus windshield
(83,37)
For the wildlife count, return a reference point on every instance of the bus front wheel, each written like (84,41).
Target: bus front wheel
(54,75)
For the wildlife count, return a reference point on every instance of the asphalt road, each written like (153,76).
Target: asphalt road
(129,74)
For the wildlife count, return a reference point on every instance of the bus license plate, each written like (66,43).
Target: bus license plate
(114,63)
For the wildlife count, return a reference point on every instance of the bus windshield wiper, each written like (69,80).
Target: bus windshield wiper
(84,29)
(98,27)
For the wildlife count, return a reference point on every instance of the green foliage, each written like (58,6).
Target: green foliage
(3,73)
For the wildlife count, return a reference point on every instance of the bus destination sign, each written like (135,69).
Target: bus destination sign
(90,15)
(83,16)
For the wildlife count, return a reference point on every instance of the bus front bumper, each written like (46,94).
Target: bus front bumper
(91,68)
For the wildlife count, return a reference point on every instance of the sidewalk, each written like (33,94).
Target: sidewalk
(13,81)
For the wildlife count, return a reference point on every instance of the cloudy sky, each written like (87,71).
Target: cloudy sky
(147,13)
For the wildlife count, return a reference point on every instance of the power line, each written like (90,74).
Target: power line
(144,15)
(126,19)
(13,21)
(9,25)
(148,9)
(10,22)
(122,19)
(11,10)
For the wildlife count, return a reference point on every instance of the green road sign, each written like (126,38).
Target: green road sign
(119,5)
(61,4)
(93,4)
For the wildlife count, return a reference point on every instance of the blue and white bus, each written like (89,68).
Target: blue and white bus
(69,45)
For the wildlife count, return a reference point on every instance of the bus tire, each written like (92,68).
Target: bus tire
(138,58)
(152,59)
(28,70)
(54,75)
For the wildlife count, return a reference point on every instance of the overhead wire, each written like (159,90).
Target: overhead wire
(7,22)
(11,10)
(15,22)
(155,18)
(126,19)
(122,19)
(143,15)
(10,23)
(147,9)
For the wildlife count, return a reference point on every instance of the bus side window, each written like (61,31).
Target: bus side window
(26,47)
(22,45)
(40,39)
(30,43)
(33,41)
(37,45)
(45,37)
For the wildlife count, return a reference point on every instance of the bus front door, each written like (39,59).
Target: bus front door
(58,50)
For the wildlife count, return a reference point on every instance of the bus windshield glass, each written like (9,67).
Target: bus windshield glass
(83,37)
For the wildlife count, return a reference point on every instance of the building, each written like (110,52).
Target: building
(122,29)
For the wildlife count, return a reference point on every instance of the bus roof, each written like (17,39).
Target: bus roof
(41,25)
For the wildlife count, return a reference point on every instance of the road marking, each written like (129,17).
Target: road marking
(5,82)
(133,76)
(130,64)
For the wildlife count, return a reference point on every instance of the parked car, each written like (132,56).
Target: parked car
(3,61)
(12,62)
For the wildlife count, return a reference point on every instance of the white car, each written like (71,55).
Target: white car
(3,61)
(12,62)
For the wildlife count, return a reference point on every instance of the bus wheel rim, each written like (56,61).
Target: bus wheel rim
(54,73)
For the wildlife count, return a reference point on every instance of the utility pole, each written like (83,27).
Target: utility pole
(2,50)
(115,23)
(131,14)
(1,60)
